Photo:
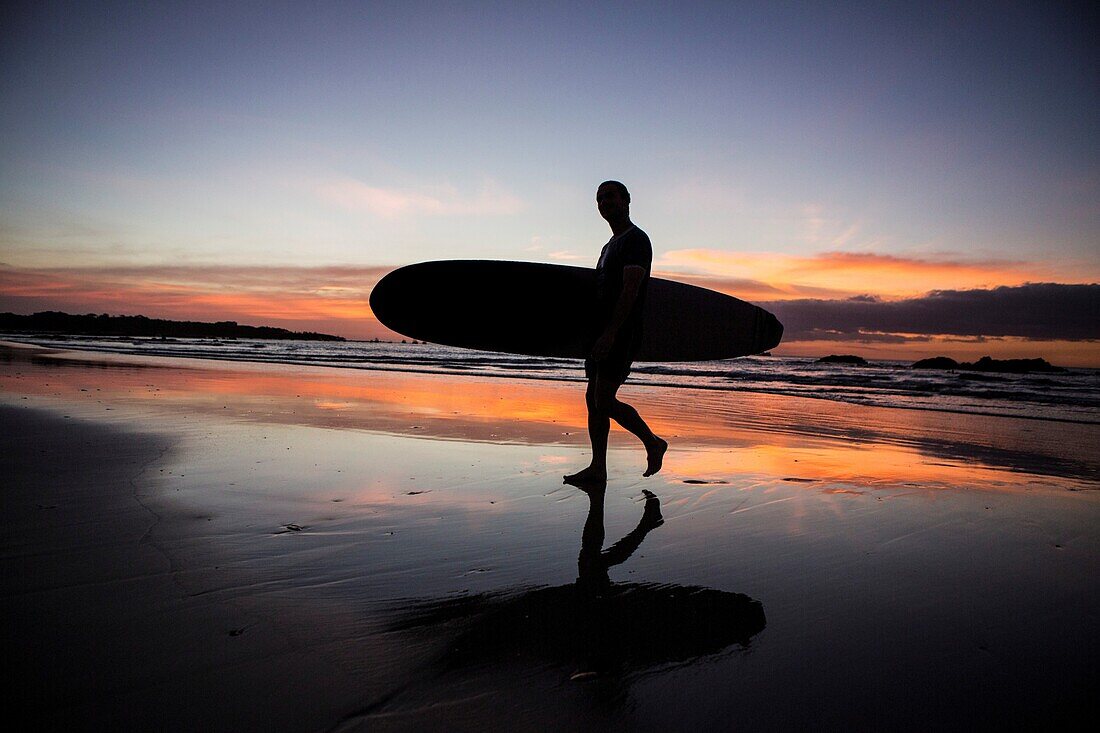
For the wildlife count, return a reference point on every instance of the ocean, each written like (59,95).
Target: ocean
(1070,396)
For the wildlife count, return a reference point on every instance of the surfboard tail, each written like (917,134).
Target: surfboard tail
(770,330)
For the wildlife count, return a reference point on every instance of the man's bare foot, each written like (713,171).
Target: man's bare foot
(587,477)
(655,456)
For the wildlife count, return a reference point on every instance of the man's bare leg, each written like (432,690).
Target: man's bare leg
(655,447)
(602,405)
(599,425)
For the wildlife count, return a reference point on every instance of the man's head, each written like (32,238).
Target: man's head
(613,201)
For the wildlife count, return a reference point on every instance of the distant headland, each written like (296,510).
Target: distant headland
(985,364)
(105,325)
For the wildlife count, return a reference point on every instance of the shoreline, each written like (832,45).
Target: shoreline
(544,412)
(87,355)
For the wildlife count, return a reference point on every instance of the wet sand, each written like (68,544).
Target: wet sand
(194,544)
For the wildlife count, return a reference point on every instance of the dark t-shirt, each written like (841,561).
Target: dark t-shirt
(632,247)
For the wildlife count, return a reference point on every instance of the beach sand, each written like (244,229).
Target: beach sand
(201,545)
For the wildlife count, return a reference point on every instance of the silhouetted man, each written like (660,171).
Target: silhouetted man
(622,275)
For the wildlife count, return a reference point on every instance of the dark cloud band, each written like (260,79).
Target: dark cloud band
(1039,311)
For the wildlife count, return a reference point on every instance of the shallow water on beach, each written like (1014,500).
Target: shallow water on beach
(814,563)
(792,436)
(1071,395)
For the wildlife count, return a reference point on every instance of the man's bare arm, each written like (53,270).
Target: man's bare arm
(633,276)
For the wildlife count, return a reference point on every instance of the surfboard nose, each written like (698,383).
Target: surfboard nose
(393,300)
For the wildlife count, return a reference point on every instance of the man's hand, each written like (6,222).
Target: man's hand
(602,347)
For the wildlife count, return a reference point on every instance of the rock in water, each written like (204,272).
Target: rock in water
(936,362)
(842,359)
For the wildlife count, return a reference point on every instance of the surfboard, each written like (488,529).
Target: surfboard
(548,310)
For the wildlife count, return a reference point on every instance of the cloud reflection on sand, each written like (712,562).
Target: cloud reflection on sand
(713,434)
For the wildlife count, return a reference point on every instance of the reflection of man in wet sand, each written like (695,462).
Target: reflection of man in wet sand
(594,561)
(601,644)
(622,275)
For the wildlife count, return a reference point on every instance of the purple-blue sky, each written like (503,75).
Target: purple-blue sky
(172,149)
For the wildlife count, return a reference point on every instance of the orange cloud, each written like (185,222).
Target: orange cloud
(327,299)
(843,274)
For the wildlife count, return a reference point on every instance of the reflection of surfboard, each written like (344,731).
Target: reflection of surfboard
(548,310)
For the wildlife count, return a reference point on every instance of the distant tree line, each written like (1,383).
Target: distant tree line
(105,325)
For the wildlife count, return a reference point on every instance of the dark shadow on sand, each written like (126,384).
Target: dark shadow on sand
(593,631)
(594,626)
(630,628)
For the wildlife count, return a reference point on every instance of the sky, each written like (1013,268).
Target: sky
(892,179)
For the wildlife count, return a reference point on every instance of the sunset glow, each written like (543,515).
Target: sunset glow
(845,274)
(330,300)
(230,171)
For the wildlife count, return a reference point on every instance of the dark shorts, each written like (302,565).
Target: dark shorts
(614,368)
